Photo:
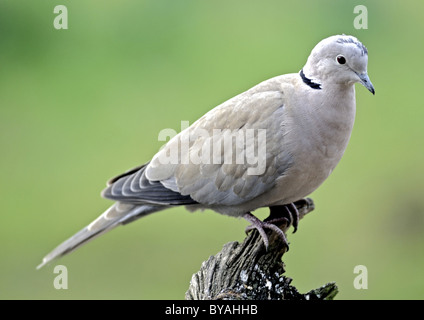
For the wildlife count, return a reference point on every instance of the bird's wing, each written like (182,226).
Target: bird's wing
(223,158)
(133,187)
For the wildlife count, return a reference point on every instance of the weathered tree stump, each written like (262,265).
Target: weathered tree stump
(248,271)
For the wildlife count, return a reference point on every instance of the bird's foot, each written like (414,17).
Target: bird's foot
(261,225)
(286,212)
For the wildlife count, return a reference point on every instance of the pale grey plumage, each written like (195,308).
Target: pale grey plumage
(308,118)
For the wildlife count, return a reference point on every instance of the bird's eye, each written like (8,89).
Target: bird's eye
(341,59)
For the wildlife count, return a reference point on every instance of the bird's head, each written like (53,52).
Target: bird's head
(339,59)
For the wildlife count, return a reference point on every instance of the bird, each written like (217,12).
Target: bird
(266,147)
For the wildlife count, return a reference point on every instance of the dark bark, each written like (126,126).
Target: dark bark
(248,271)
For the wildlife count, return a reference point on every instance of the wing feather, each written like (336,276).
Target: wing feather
(144,192)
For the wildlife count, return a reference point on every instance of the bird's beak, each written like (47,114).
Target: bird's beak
(366,82)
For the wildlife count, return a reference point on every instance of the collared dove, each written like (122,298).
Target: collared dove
(299,125)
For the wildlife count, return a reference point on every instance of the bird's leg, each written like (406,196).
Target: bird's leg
(261,225)
(283,213)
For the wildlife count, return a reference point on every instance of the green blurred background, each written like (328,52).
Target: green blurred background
(79,106)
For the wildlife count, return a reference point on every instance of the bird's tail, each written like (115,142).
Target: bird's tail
(119,213)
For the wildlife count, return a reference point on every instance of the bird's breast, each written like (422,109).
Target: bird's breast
(318,138)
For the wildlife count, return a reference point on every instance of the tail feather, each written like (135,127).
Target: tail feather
(119,213)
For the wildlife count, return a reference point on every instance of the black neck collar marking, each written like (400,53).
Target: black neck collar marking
(309,82)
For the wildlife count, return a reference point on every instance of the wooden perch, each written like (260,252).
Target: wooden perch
(248,271)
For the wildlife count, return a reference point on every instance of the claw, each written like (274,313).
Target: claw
(261,225)
(291,214)
(296,215)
